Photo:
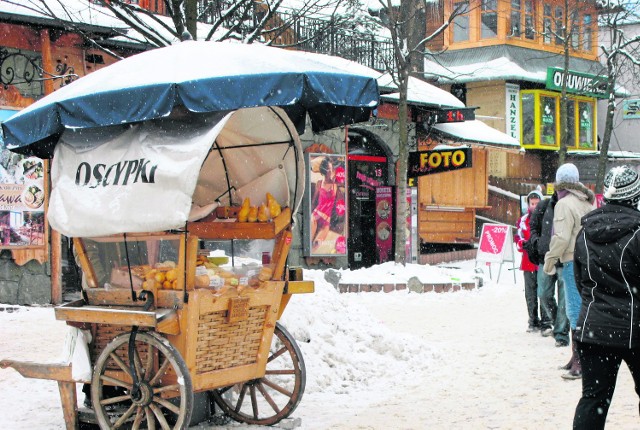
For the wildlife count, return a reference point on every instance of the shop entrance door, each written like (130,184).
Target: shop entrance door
(366,172)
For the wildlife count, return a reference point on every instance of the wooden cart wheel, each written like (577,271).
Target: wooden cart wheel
(267,400)
(159,403)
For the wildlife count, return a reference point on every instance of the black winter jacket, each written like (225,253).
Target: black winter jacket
(607,273)
(541,224)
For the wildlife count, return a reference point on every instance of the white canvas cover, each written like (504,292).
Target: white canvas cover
(156,175)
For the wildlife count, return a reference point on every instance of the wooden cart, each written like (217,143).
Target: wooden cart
(160,349)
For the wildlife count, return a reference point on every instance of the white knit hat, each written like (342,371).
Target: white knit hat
(567,173)
(622,183)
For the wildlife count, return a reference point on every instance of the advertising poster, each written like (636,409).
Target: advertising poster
(327,234)
(22,200)
(384,224)
(495,243)
(631,109)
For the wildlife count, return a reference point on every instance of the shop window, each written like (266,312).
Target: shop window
(489,17)
(528,119)
(548,116)
(571,124)
(541,125)
(547,26)
(461,22)
(585,124)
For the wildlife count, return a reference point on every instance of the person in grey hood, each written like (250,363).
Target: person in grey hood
(607,269)
(574,201)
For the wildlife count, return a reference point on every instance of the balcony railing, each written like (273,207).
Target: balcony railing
(324,35)
(328,36)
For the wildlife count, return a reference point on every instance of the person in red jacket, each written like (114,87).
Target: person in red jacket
(529,269)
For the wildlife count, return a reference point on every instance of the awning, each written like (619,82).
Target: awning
(476,131)
(6,114)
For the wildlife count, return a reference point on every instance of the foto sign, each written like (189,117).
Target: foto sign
(438,160)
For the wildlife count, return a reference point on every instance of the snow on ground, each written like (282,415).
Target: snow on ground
(398,360)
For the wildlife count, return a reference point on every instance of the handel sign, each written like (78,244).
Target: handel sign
(438,160)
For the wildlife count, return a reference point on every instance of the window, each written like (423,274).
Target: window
(460,91)
(586,33)
(461,22)
(516,14)
(547,27)
(529,20)
(23,70)
(522,17)
(559,25)
(489,27)
(574,24)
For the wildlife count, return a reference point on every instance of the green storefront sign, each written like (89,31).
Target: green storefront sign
(577,82)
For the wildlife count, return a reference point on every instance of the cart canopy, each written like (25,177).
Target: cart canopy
(158,174)
(203,77)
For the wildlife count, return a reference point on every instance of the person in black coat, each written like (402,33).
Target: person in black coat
(607,269)
(553,319)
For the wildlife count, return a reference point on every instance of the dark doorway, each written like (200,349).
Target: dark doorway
(368,168)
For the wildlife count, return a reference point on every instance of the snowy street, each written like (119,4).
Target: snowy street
(396,360)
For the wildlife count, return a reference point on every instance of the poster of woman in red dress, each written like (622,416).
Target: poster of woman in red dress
(327,209)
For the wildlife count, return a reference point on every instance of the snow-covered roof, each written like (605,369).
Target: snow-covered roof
(610,154)
(419,93)
(84,12)
(476,131)
(80,11)
(498,69)
(500,62)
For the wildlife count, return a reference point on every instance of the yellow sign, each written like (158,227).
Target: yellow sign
(550,188)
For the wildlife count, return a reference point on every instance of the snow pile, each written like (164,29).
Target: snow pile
(390,273)
(345,350)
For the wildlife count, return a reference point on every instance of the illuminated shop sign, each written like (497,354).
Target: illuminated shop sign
(442,116)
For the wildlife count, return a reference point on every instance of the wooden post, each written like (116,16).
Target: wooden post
(56,240)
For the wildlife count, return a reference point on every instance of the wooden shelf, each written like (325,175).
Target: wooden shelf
(163,320)
(227,230)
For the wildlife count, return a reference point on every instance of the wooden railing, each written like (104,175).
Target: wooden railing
(504,199)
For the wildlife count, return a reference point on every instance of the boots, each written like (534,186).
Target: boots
(573,366)
(573,354)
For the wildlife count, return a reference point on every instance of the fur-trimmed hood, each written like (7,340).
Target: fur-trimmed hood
(577,189)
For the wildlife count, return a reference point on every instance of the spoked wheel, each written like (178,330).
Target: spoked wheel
(275,396)
(164,399)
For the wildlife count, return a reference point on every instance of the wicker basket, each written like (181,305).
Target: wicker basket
(223,345)
(105,333)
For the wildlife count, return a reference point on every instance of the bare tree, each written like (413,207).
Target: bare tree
(245,20)
(619,51)
(404,26)
(568,36)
